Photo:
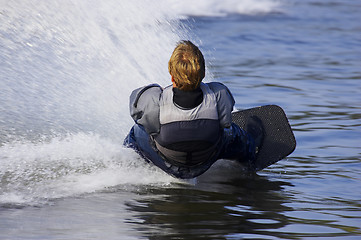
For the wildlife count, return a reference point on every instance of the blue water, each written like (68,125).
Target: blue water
(67,69)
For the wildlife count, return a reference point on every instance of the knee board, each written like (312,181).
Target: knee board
(278,140)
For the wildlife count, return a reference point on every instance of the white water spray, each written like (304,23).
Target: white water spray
(67,69)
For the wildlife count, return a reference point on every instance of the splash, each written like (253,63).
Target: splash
(31,173)
(67,69)
(71,66)
(222,8)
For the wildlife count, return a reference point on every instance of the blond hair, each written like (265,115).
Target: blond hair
(186,66)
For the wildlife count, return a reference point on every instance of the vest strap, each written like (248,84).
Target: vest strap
(187,159)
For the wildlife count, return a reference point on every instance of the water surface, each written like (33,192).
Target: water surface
(68,68)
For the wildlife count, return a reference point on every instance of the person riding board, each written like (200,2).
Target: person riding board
(187,126)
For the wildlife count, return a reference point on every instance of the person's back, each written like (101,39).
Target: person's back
(185,122)
(189,121)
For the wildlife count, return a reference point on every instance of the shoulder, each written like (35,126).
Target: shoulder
(220,90)
(225,103)
(217,86)
(145,93)
(144,107)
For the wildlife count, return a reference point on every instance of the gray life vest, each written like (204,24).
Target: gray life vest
(188,137)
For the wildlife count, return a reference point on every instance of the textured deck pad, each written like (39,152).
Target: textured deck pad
(278,141)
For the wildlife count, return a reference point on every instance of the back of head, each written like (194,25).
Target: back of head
(186,65)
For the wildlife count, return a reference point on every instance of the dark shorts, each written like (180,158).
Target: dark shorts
(235,144)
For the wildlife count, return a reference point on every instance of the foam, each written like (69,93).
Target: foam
(76,164)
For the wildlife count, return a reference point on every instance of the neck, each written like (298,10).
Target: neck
(187,99)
